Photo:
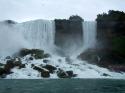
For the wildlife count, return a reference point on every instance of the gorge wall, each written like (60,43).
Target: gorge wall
(69,34)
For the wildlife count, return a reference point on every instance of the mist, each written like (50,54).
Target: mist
(11,39)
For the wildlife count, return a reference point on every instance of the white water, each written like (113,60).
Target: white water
(39,33)
(89,37)
(11,40)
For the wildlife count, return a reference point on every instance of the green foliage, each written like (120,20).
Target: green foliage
(111,16)
(118,45)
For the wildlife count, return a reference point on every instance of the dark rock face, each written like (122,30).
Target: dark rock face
(10,64)
(35,53)
(110,51)
(90,55)
(44,72)
(50,68)
(69,32)
(65,74)
(104,58)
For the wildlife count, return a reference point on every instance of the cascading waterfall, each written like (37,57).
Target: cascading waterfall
(89,37)
(11,40)
(40,34)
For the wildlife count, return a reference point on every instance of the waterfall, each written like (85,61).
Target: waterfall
(39,33)
(11,40)
(89,37)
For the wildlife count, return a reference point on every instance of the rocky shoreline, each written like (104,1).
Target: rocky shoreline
(33,54)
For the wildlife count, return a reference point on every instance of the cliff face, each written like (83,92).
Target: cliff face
(110,51)
(69,32)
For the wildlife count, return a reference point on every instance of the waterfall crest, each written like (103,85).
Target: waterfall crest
(39,33)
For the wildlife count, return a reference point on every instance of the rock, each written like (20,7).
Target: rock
(3,76)
(90,55)
(38,69)
(8,66)
(30,58)
(22,66)
(71,74)
(46,55)
(1,64)
(45,74)
(8,57)
(65,74)
(2,71)
(62,74)
(35,53)
(50,68)
(106,75)
(45,61)
(17,63)
(32,65)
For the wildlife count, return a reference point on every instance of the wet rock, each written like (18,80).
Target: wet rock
(30,58)
(1,64)
(90,55)
(106,75)
(38,69)
(8,57)
(45,74)
(45,61)
(2,71)
(62,74)
(71,74)
(22,66)
(35,53)
(8,66)
(65,74)
(17,63)
(50,68)
(46,55)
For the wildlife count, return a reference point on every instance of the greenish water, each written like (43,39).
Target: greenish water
(62,86)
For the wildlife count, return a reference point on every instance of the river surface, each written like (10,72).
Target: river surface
(63,86)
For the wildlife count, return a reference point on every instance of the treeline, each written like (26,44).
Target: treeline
(112,15)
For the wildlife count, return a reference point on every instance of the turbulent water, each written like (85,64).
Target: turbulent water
(11,40)
(41,34)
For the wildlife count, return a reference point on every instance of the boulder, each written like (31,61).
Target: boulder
(90,55)
(45,61)
(8,66)
(106,75)
(35,53)
(45,74)
(2,71)
(65,74)
(50,68)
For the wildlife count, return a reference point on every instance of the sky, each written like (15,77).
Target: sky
(24,10)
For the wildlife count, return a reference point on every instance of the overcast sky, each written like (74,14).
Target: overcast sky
(23,10)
